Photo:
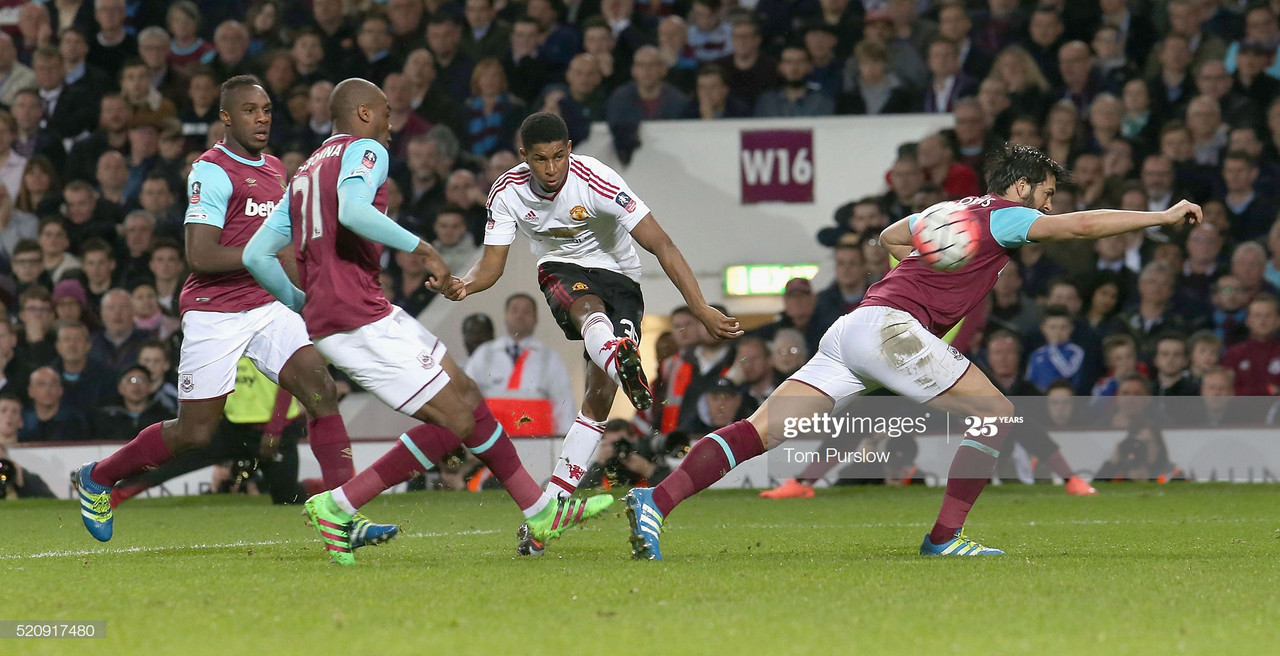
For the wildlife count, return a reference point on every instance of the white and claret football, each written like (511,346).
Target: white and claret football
(945,236)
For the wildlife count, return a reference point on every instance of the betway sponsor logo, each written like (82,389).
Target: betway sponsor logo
(263,209)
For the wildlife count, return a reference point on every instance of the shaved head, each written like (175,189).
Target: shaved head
(349,95)
(359,108)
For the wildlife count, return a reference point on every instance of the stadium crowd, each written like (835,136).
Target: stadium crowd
(107,102)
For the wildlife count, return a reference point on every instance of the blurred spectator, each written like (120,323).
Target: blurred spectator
(462,191)
(112,174)
(1105,115)
(48,419)
(73,44)
(621,459)
(972,139)
(112,133)
(14,75)
(754,369)
(30,139)
(486,36)
(955,25)
(88,214)
(1256,361)
(168,270)
(789,351)
(86,381)
(12,373)
(709,35)
(494,115)
(476,330)
(71,304)
(750,72)
(67,110)
(27,261)
(1260,26)
(1217,386)
(137,89)
(799,305)
(821,42)
(1137,123)
(408,282)
(905,179)
(947,82)
(719,405)
(153,49)
(1185,22)
(118,344)
(580,101)
(1059,358)
(647,96)
(1080,80)
(1208,132)
(1004,359)
(673,45)
(308,56)
(1044,39)
(405,123)
(997,108)
(796,96)
(15,225)
(526,71)
(1153,312)
(599,42)
(431,101)
(138,408)
(1011,308)
(147,313)
(1206,351)
(848,287)
(1249,266)
(1028,88)
(453,241)
(1251,79)
(159,209)
(1113,65)
(372,58)
(1173,378)
(53,248)
(939,167)
(557,43)
(692,371)
(712,100)
(1172,84)
(12,165)
(1062,132)
(1105,299)
(186,48)
(1120,353)
(1250,214)
(453,66)
(154,355)
(519,365)
(1230,308)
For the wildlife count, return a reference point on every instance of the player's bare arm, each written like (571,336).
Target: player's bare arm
(654,239)
(206,255)
(897,239)
(1096,224)
(483,274)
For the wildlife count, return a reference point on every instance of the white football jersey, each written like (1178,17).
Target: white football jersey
(587,222)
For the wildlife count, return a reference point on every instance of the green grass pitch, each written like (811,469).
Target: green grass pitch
(1139,569)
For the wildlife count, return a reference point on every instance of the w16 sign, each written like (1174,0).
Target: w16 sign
(777,166)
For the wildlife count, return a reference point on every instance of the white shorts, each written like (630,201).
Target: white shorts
(877,346)
(396,358)
(213,342)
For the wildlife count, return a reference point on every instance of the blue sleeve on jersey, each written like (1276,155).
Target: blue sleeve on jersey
(259,257)
(357,213)
(365,159)
(208,192)
(1009,225)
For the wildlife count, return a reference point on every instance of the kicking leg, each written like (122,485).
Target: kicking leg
(155,445)
(617,357)
(710,459)
(584,436)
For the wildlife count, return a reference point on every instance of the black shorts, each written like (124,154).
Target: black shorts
(563,284)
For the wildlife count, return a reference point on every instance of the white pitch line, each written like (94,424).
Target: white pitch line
(203,547)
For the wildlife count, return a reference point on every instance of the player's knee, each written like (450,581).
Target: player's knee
(462,425)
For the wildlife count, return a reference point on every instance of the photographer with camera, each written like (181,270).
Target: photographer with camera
(16,482)
(624,459)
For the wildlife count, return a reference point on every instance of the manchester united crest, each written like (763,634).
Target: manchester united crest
(578,213)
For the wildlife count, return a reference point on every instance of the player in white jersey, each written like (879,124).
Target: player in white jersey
(583,223)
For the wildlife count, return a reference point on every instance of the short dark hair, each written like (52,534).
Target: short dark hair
(1056,311)
(710,69)
(1013,162)
(97,244)
(523,295)
(234,83)
(1249,160)
(1061,383)
(543,128)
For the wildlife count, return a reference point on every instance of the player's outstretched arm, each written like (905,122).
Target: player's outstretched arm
(1096,224)
(483,274)
(897,239)
(654,239)
(260,258)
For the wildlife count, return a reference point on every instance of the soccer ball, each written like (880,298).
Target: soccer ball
(945,236)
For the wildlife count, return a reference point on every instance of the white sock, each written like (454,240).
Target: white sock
(575,456)
(340,498)
(597,336)
(537,505)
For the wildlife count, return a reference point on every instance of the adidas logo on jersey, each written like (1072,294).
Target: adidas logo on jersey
(258,209)
(531,217)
